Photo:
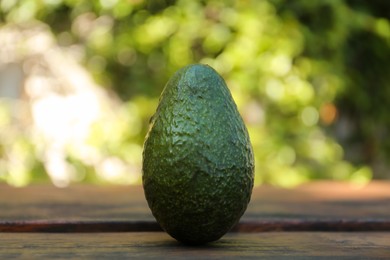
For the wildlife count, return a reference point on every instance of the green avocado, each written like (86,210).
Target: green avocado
(198,166)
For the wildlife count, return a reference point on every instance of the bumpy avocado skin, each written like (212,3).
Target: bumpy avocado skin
(198,166)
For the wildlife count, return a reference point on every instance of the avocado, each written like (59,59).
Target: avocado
(198,166)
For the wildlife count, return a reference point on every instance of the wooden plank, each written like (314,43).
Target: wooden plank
(79,208)
(243,226)
(75,203)
(320,206)
(233,245)
(322,200)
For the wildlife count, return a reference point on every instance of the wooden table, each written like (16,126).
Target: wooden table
(321,219)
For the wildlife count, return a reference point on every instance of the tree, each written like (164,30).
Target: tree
(309,77)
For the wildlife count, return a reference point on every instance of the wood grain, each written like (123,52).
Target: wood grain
(321,206)
(158,245)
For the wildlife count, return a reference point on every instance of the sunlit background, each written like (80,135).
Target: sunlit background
(79,81)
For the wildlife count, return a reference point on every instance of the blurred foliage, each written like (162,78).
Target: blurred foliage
(311,78)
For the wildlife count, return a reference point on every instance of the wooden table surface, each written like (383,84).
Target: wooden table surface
(320,219)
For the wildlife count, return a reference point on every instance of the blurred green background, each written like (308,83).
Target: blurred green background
(79,81)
